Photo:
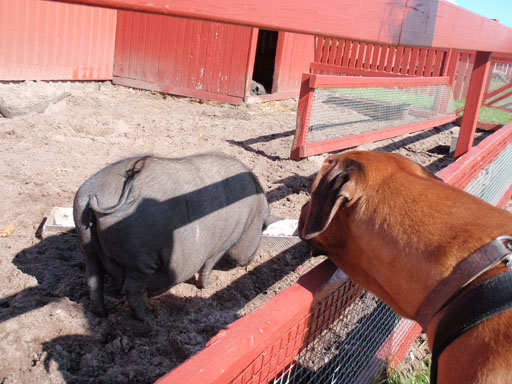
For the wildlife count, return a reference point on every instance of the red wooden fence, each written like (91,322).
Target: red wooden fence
(347,57)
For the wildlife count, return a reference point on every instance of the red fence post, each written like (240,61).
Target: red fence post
(303,117)
(476,91)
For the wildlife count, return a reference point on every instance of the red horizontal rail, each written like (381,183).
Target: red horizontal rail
(431,24)
(482,124)
(353,71)
(326,81)
(312,149)
(233,350)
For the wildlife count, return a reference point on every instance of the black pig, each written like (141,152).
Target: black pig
(153,222)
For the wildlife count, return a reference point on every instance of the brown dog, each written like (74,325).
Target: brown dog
(398,231)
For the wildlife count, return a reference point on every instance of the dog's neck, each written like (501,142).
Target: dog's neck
(497,251)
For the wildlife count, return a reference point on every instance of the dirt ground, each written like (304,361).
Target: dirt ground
(48,335)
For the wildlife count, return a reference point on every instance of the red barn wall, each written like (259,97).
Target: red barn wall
(182,56)
(41,40)
(203,59)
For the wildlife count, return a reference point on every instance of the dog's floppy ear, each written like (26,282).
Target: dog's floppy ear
(335,186)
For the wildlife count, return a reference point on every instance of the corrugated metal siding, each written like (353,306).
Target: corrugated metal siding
(176,54)
(295,52)
(41,40)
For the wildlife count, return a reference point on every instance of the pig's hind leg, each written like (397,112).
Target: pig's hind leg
(95,271)
(95,278)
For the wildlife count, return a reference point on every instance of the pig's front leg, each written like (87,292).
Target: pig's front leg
(204,273)
(134,285)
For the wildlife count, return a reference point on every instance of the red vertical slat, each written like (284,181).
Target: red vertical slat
(195,54)
(339,52)
(202,59)
(238,81)
(398,59)
(404,62)
(421,62)
(347,51)
(226,69)
(185,63)
(332,50)
(282,64)
(413,62)
(429,63)
(318,49)
(375,58)
(384,51)
(147,57)
(438,62)
(172,51)
(218,57)
(325,50)
(162,50)
(360,56)
(177,51)
(356,46)
(390,59)
(368,56)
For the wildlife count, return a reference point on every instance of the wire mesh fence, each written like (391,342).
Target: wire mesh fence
(347,338)
(343,112)
(337,112)
(493,181)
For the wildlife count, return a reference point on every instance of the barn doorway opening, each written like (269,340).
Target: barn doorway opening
(264,62)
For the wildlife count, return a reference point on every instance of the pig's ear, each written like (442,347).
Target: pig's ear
(337,185)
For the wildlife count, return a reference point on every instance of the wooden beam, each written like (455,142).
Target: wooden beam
(326,81)
(428,23)
(474,100)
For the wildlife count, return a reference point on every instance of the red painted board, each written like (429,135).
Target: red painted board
(319,81)
(42,40)
(311,149)
(428,23)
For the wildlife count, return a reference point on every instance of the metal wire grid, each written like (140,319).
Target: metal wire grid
(500,79)
(344,112)
(494,180)
(346,339)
